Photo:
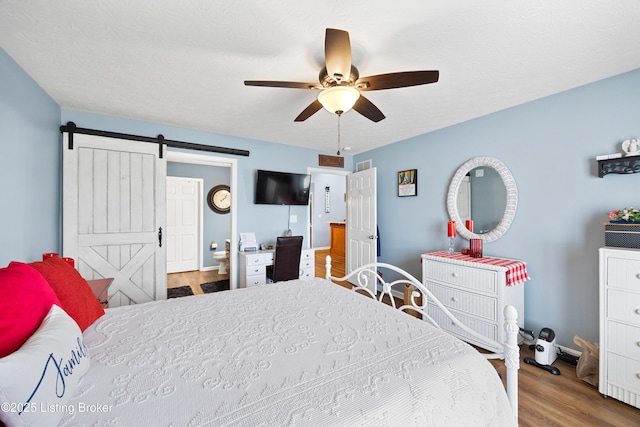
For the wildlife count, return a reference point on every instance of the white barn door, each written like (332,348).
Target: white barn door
(362,234)
(114,215)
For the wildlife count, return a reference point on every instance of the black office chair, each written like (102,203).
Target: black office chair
(286,260)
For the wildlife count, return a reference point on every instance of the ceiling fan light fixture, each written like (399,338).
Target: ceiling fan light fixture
(338,99)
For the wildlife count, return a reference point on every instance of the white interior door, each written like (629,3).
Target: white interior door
(183,218)
(114,215)
(362,223)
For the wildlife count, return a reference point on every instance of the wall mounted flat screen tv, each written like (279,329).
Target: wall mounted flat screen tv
(282,188)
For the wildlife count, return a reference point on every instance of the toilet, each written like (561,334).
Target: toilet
(221,257)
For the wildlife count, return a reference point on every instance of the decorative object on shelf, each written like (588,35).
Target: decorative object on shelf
(622,235)
(623,228)
(408,183)
(631,147)
(219,199)
(475,248)
(625,216)
(616,163)
(451,233)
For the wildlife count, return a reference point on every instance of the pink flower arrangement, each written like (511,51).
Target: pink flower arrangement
(626,215)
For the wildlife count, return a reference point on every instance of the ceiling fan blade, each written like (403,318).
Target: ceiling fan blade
(367,109)
(274,83)
(313,108)
(397,80)
(337,54)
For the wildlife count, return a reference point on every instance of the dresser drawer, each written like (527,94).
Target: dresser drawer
(623,372)
(623,273)
(623,339)
(468,277)
(623,306)
(469,303)
(489,330)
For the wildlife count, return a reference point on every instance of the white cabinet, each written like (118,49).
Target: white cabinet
(475,293)
(307,264)
(253,266)
(620,324)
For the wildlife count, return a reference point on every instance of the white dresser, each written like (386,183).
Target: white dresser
(474,292)
(620,324)
(253,266)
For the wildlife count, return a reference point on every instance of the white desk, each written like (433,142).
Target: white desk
(253,266)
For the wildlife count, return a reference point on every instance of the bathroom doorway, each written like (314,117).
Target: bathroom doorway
(215,228)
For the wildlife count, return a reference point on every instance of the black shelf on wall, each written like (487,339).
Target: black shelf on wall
(620,165)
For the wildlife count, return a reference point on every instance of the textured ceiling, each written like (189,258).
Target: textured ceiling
(183,63)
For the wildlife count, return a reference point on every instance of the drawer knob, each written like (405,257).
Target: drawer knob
(454,274)
(454,299)
(638,276)
(637,310)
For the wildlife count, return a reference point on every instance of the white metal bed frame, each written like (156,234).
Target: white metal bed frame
(508,351)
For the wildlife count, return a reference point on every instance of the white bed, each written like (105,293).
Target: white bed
(298,353)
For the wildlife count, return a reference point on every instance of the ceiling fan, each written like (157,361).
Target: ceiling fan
(341,85)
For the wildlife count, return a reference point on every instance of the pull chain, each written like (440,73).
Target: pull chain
(339,115)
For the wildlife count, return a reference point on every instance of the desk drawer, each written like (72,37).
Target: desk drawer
(256,270)
(256,280)
(307,273)
(259,259)
(307,255)
(473,278)
(304,263)
(474,304)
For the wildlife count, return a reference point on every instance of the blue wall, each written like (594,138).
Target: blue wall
(30,163)
(550,146)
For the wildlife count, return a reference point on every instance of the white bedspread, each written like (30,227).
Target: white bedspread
(299,353)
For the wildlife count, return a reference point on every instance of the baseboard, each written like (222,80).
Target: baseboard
(210,268)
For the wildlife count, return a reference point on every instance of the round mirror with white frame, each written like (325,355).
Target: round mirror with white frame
(506,198)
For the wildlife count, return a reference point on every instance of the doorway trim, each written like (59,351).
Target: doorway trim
(204,159)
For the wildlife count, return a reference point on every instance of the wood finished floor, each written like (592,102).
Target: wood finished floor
(545,400)
(194,279)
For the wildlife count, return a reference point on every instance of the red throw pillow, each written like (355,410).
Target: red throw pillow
(73,291)
(25,300)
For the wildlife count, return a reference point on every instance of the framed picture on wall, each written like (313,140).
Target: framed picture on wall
(408,183)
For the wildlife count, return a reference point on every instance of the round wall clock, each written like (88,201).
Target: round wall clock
(219,199)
